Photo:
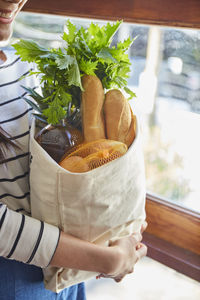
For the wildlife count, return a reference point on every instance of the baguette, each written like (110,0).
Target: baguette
(119,118)
(132,130)
(92,108)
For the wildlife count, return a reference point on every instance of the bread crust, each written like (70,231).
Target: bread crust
(92,108)
(132,130)
(119,119)
(75,164)
(92,155)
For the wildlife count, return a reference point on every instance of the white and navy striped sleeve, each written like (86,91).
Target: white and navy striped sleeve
(22,237)
(26,239)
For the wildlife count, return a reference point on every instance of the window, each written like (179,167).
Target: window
(173,233)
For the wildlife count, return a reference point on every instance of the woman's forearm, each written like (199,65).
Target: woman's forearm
(78,254)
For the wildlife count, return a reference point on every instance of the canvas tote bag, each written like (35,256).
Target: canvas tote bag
(102,204)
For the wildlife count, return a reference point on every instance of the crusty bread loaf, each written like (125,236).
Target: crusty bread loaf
(92,108)
(132,130)
(85,149)
(75,164)
(105,156)
(92,155)
(119,119)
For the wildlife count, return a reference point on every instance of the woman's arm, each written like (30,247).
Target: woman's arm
(115,261)
(31,241)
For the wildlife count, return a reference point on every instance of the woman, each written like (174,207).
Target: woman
(26,244)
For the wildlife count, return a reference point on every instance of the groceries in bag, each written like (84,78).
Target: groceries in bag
(78,83)
(94,192)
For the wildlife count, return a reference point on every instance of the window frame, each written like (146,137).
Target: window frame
(173,236)
(173,233)
(185,13)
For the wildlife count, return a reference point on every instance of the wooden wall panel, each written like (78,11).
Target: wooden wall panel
(183,13)
(173,224)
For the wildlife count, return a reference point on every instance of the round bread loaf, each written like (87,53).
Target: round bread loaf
(75,164)
(89,156)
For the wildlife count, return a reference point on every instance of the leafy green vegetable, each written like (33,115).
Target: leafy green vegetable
(95,55)
(29,51)
(86,51)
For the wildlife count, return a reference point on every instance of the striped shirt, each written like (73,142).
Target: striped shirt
(22,237)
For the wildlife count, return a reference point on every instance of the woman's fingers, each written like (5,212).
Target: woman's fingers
(136,238)
(141,250)
(131,250)
(137,251)
(144,226)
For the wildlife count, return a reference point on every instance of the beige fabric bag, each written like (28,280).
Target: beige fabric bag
(102,204)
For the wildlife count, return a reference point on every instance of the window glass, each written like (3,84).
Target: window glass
(169,99)
(165,76)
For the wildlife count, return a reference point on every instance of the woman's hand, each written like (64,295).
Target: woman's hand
(129,250)
(114,261)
